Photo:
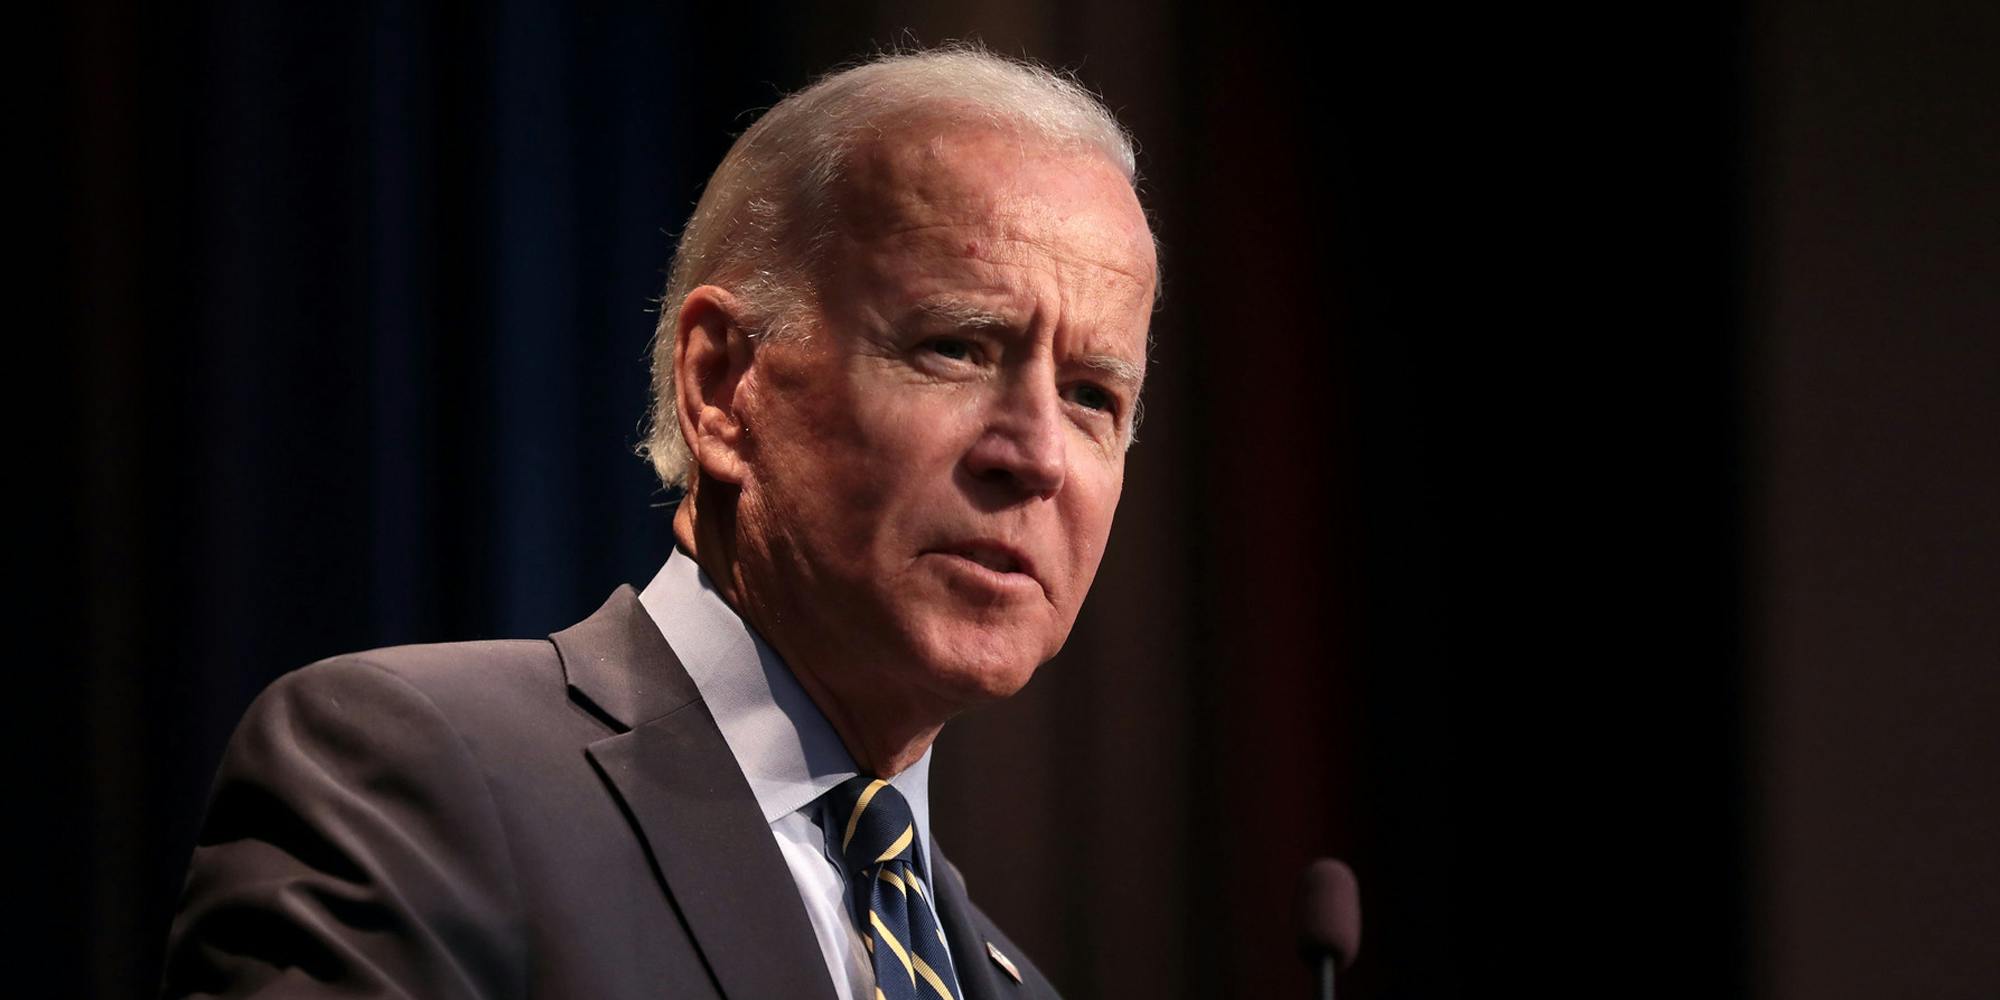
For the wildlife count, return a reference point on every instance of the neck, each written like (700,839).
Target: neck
(885,732)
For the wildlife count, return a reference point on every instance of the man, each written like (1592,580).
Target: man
(897,369)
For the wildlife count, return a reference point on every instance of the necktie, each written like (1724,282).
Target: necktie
(869,823)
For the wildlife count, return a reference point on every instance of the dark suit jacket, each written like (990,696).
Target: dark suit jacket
(552,818)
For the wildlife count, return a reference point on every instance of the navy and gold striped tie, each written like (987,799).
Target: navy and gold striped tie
(870,824)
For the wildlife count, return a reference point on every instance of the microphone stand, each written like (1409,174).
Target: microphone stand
(1324,987)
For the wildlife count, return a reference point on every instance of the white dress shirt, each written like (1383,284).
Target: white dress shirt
(787,750)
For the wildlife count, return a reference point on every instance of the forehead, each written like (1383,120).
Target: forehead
(996,196)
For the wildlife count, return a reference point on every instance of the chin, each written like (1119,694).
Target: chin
(977,664)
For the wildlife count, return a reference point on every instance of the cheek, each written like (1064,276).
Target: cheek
(915,437)
(1087,523)
(868,471)
(814,436)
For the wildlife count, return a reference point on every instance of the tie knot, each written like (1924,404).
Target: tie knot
(872,823)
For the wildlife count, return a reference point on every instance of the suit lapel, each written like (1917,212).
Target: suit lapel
(979,978)
(695,813)
(711,847)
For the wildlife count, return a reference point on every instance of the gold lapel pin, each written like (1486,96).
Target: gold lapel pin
(1002,961)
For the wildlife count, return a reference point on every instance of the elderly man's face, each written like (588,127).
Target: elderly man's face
(933,470)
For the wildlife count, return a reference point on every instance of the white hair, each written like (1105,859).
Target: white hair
(768,212)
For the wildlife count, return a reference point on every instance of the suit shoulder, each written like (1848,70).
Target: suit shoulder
(494,693)
(352,830)
(443,671)
(448,662)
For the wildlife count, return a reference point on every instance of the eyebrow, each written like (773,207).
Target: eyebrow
(1117,368)
(966,316)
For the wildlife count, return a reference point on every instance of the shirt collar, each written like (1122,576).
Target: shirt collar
(787,750)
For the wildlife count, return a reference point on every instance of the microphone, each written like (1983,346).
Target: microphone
(1329,921)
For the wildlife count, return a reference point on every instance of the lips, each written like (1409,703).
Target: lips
(993,555)
(996,560)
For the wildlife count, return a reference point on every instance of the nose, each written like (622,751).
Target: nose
(1022,446)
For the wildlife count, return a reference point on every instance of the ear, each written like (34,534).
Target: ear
(712,351)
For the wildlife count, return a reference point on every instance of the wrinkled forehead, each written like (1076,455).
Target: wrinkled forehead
(930,173)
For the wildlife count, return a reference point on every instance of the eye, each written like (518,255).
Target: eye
(951,348)
(1092,397)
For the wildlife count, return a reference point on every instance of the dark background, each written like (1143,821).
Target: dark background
(1568,490)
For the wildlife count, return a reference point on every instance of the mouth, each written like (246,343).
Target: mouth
(1007,564)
